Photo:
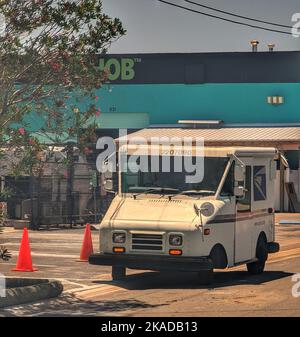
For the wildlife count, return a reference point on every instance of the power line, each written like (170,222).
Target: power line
(223,19)
(236,15)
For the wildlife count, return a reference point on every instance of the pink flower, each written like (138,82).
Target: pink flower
(21,131)
(96,98)
(55,65)
(87,150)
(98,112)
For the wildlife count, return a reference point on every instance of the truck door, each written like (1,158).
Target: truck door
(243,222)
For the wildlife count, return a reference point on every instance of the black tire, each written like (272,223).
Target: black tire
(118,273)
(206,277)
(257,267)
(218,257)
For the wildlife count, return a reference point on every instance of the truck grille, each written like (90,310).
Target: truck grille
(147,242)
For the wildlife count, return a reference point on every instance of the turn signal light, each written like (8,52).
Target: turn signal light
(119,250)
(175,252)
(206,231)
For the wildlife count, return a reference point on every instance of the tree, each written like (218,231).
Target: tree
(48,54)
(49,73)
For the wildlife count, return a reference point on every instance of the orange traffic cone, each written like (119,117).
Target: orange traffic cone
(87,245)
(24,262)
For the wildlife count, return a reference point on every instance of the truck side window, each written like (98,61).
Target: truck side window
(227,189)
(259,183)
(244,205)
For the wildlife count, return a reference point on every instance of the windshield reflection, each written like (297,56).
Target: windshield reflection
(174,183)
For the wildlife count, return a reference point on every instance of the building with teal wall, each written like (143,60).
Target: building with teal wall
(160,89)
(168,103)
(152,89)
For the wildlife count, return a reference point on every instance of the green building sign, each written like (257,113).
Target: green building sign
(119,69)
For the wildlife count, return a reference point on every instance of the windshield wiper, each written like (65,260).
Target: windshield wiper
(154,189)
(187,192)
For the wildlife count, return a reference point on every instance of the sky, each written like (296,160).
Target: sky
(154,27)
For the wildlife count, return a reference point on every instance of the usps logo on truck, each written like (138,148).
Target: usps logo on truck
(259,183)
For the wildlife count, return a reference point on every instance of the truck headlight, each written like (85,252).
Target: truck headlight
(119,237)
(175,240)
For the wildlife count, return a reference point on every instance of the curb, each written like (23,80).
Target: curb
(31,293)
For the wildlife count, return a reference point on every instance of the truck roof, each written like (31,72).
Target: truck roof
(279,137)
(156,138)
(208,151)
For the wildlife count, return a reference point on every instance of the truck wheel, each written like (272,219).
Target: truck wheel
(258,266)
(118,273)
(206,277)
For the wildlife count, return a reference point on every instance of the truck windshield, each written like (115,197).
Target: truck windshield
(172,183)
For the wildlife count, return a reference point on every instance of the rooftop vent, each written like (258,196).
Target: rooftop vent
(271,47)
(254,44)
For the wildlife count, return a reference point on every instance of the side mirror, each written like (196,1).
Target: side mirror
(239,173)
(107,170)
(108,177)
(108,185)
(239,191)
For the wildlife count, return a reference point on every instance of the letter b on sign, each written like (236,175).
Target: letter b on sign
(127,69)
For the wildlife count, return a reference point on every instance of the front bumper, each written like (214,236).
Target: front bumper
(152,262)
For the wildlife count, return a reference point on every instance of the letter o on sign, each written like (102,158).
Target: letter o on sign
(114,67)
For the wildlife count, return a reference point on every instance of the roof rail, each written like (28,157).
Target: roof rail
(201,124)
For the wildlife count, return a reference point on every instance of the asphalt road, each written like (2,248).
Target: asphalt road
(89,290)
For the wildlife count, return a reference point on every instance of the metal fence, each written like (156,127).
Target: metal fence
(59,196)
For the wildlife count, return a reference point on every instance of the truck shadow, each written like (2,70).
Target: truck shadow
(173,280)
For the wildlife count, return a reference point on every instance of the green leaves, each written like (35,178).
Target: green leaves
(48,69)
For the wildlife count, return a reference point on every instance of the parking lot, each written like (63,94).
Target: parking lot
(89,290)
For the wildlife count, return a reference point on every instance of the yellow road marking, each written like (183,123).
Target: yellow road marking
(87,288)
(69,256)
(35,265)
(8,231)
(95,291)
(283,258)
(103,293)
(277,257)
(284,253)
